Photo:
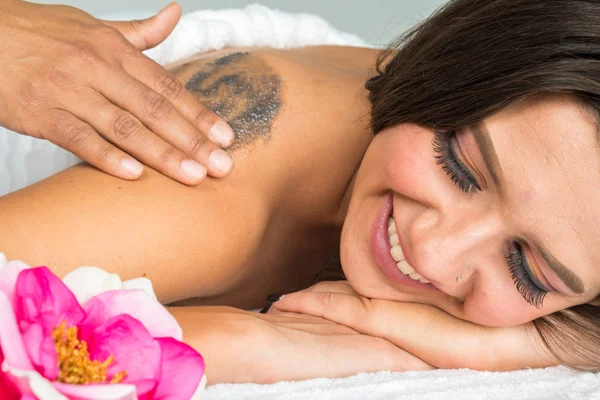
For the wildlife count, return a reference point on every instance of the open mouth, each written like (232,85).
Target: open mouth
(387,249)
(398,255)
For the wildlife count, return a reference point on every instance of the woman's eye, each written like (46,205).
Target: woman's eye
(450,162)
(529,286)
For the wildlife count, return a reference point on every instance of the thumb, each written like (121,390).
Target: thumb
(150,32)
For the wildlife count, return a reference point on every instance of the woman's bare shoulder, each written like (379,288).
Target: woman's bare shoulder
(280,102)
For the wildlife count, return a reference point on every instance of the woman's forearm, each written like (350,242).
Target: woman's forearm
(226,338)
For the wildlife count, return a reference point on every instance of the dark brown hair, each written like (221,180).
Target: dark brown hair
(473,58)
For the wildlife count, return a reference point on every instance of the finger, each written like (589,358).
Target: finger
(342,287)
(129,134)
(150,32)
(157,113)
(425,331)
(207,121)
(326,304)
(82,140)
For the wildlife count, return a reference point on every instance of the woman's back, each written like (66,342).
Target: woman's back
(268,227)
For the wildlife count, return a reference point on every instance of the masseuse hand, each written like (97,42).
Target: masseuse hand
(425,331)
(85,85)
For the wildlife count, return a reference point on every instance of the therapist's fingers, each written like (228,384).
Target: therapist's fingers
(61,58)
(150,32)
(81,139)
(155,77)
(125,131)
(156,112)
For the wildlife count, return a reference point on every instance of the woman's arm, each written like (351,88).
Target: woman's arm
(427,332)
(239,346)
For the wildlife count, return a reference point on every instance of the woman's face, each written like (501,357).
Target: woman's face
(504,223)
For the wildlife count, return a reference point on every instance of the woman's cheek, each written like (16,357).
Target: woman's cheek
(407,158)
(507,310)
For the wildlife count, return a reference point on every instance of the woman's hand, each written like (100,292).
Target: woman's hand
(240,346)
(85,85)
(425,331)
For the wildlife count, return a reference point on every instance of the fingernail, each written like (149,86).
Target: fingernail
(193,170)
(274,298)
(132,167)
(222,134)
(220,161)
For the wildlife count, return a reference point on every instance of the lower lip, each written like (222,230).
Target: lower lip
(380,245)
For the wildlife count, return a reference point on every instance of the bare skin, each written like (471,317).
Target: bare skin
(270,227)
(156,225)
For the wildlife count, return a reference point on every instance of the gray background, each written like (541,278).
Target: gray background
(376,21)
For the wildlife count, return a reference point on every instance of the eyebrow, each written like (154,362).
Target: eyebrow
(490,158)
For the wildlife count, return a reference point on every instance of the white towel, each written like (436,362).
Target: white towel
(25,160)
(550,383)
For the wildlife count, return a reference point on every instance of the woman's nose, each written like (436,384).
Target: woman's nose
(448,247)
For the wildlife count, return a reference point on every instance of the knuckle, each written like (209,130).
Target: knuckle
(124,126)
(29,99)
(167,154)
(196,144)
(109,36)
(202,115)
(327,299)
(62,78)
(77,135)
(107,32)
(168,85)
(80,53)
(103,153)
(157,107)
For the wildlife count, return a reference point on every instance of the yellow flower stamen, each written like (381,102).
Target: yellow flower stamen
(74,363)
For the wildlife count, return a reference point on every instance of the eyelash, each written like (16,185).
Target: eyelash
(462,177)
(451,164)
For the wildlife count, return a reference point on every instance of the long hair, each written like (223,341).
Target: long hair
(473,58)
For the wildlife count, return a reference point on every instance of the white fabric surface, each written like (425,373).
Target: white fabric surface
(551,383)
(24,160)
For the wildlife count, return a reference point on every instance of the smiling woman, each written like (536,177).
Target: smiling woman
(475,196)
(511,90)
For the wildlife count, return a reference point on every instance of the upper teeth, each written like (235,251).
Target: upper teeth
(398,256)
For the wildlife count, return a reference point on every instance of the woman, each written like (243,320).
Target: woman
(465,218)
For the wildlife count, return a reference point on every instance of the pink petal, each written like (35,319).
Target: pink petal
(11,341)
(7,391)
(41,350)
(97,391)
(157,320)
(132,347)
(43,298)
(43,303)
(31,382)
(8,278)
(182,369)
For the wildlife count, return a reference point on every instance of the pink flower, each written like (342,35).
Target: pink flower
(121,344)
